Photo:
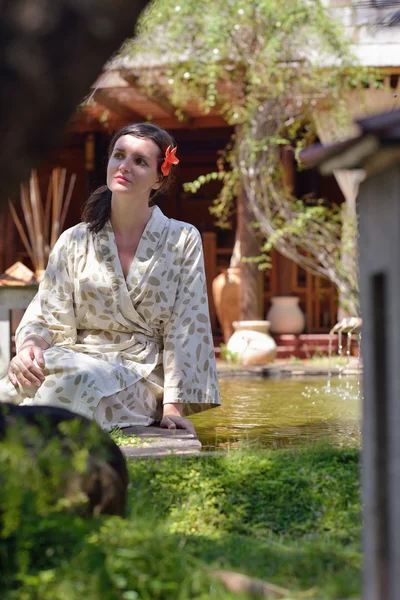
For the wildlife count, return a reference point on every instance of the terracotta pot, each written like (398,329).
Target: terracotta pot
(225,289)
(251,343)
(285,315)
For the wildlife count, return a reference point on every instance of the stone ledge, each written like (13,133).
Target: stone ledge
(284,370)
(155,441)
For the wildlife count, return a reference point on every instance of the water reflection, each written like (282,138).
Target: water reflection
(283,412)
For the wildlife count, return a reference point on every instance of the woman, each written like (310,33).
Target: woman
(119,330)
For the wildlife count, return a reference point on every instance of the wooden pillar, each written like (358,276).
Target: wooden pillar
(284,265)
(284,269)
(346,306)
(379,250)
(251,288)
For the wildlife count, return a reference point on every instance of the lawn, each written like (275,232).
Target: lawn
(289,517)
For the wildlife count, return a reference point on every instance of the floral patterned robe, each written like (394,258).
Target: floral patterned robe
(119,348)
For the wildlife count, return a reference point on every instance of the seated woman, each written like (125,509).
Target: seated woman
(119,330)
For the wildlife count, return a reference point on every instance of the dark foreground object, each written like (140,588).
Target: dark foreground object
(103,477)
(51,52)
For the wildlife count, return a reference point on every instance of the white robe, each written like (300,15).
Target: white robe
(119,348)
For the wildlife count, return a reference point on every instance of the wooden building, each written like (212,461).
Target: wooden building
(375,152)
(116,102)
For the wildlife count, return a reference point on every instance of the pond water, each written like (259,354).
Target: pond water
(275,413)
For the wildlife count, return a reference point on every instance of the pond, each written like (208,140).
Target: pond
(274,413)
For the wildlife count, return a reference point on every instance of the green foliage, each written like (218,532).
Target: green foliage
(289,517)
(256,44)
(122,439)
(39,474)
(228,355)
(266,66)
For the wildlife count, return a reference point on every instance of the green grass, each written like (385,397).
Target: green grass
(123,439)
(290,517)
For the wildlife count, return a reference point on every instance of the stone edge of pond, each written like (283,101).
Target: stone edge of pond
(155,442)
(281,371)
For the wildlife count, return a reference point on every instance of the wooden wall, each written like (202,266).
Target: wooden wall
(198,150)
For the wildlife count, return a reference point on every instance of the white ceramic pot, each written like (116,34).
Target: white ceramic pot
(286,316)
(251,343)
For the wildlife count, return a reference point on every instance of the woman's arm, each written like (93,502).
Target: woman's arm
(50,317)
(190,378)
(27,367)
(35,340)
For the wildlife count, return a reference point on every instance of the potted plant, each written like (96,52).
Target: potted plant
(43,222)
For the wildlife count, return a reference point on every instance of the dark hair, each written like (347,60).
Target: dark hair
(97,208)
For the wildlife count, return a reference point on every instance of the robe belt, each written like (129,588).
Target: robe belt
(136,337)
(153,337)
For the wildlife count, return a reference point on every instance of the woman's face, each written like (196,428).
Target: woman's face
(133,167)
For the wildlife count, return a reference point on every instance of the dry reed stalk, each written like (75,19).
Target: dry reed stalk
(43,223)
(55,220)
(61,191)
(26,208)
(38,196)
(67,200)
(47,212)
(21,232)
(36,204)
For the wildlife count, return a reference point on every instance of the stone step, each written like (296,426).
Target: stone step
(154,441)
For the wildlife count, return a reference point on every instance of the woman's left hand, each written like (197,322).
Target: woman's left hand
(177,422)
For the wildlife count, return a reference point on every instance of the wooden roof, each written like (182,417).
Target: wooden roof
(116,100)
(375,148)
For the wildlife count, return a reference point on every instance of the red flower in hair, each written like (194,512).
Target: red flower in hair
(170,159)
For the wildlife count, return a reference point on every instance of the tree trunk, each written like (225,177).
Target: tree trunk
(251,287)
(51,52)
(283,264)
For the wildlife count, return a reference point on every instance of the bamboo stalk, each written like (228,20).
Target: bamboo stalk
(55,220)
(37,221)
(47,212)
(67,200)
(40,203)
(28,219)
(21,232)
(43,223)
(60,198)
